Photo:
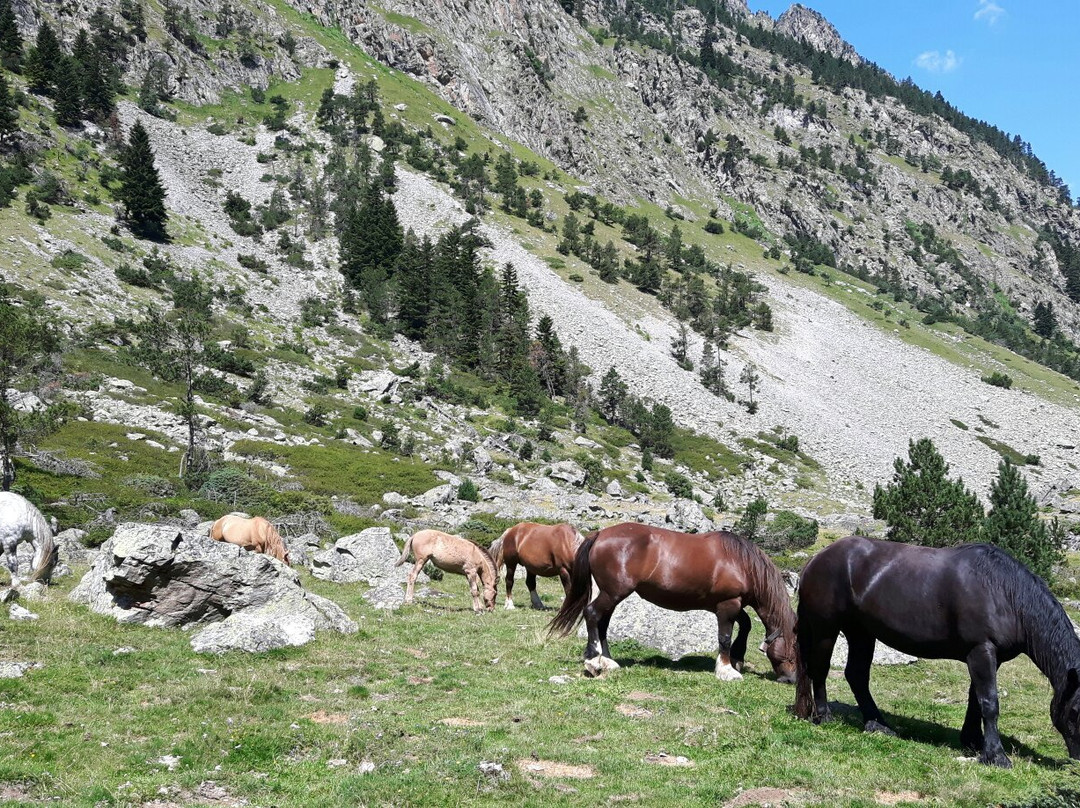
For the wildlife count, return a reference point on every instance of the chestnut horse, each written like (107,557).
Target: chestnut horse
(545,550)
(973,603)
(717,572)
(452,554)
(257,535)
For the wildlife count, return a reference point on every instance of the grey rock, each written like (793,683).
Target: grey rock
(614,489)
(675,634)
(34,590)
(685,514)
(568,471)
(439,495)
(883,654)
(365,557)
(16,670)
(394,499)
(17,612)
(189,518)
(72,549)
(386,595)
(303,548)
(163,576)
(481,459)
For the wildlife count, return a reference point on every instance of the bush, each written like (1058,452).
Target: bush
(997,379)
(787,532)
(150,484)
(789,443)
(316,414)
(594,471)
(749,523)
(468,491)
(679,485)
(360,413)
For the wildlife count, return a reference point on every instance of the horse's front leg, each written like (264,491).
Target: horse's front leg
(738,643)
(511,570)
(726,614)
(597,616)
(971,734)
(474,589)
(11,561)
(982,665)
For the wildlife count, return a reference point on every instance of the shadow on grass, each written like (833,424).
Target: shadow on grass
(919,731)
(690,663)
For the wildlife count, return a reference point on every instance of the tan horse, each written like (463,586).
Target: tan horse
(452,554)
(257,535)
(546,550)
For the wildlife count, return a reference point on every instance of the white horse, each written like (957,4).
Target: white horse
(20,521)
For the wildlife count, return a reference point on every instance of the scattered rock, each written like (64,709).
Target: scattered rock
(16,670)
(493,770)
(386,595)
(189,518)
(35,590)
(763,796)
(568,471)
(685,514)
(17,612)
(170,762)
(664,759)
(303,548)
(365,557)
(72,550)
(562,679)
(614,489)
(444,119)
(167,577)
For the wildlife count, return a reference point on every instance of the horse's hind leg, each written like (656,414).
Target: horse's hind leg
(511,570)
(738,643)
(410,585)
(726,616)
(597,616)
(817,646)
(474,590)
(857,673)
(11,561)
(530,582)
(982,665)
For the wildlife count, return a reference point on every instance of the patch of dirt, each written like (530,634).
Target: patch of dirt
(416,652)
(207,793)
(764,797)
(9,792)
(641,695)
(461,722)
(893,797)
(553,769)
(590,738)
(420,680)
(664,759)
(633,711)
(323,717)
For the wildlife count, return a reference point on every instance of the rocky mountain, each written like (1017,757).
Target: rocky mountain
(904,251)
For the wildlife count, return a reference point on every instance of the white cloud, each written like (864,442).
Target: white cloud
(937,62)
(989,11)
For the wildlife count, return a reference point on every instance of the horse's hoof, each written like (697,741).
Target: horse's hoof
(877,726)
(999,759)
(726,673)
(738,665)
(509,605)
(594,667)
(823,718)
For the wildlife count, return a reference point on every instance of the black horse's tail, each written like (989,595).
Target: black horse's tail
(804,692)
(580,590)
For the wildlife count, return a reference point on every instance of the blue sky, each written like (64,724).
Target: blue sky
(1012,63)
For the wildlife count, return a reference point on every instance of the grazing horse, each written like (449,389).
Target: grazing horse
(452,554)
(20,521)
(256,534)
(973,603)
(717,572)
(546,550)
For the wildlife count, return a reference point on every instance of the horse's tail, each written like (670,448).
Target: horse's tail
(49,555)
(496,551)
(405,552)
(580,589)
(804,693)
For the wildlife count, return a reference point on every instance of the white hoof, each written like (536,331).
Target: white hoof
(726,673)
(509,605)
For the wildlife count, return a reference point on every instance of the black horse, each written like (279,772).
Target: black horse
(973,603)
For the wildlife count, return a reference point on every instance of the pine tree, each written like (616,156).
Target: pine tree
(11,43)
(9,111)
(612,394)
(141,191)
(922,505)
(1045,322)
(43,61)
(68,93)
(1013,523)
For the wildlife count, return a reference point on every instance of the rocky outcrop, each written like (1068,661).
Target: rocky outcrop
(163,576)
(674,634)
(365,557)
(807,25)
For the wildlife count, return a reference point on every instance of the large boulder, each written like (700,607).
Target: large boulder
(165,576)
(686,515)
(72,550)
(303,548)
(883,654)
(675,634)
(365,557)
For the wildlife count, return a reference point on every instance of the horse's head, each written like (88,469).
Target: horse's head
(779,647)
(1065,712)
(489,578)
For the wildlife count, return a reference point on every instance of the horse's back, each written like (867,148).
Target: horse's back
(929,602)
(18,517)
(544,549)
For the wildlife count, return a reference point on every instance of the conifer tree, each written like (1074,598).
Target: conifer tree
(612,394)
(141,191)
(11,43)
(43,61)
(1013,523)
(68,93)
(9,111)
(922,505)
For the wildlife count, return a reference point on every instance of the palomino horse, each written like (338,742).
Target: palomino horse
(973,603)
(717,572)
(546,550)
(256,534)
(452,554)
(20,521)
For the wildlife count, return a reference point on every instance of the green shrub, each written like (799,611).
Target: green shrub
(594,471)
(316,414)
(679,485)
(150,484)
(786,532)
(750,522)
(997,379)
(468,491)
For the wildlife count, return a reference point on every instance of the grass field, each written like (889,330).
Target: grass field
(404,712)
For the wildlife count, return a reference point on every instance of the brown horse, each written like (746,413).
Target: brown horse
(257,535)
(716,572)
(452,554)
(546,550)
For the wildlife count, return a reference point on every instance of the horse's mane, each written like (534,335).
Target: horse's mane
(274,542)
(489,565)
(1050,639)
(765,582)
